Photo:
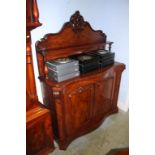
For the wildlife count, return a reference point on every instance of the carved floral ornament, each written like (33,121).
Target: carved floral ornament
(77,22)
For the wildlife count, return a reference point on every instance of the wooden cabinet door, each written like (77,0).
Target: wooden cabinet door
(103,96)
(79,99)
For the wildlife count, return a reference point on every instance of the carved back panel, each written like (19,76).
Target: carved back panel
(74,33)
(76,36)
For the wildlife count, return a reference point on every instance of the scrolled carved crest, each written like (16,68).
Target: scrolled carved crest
(77,22)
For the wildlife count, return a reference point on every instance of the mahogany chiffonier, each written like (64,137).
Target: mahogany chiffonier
(39,135)
(78,105)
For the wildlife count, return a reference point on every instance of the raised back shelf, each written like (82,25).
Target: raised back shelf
(75,37)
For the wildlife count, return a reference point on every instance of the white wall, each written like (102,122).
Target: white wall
(111,16)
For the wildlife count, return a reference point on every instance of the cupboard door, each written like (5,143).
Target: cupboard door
(103,96)
(78,106)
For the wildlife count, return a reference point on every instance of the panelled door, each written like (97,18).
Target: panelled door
(79,99)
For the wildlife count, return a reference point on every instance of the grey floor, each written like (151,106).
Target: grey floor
(113,133)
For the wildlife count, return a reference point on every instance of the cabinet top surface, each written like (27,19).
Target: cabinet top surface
(89,75)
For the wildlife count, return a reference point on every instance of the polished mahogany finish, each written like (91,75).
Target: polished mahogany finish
(39,136)
(39,140)
(31,23)
(32,15)
(75,37)
(77,105)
